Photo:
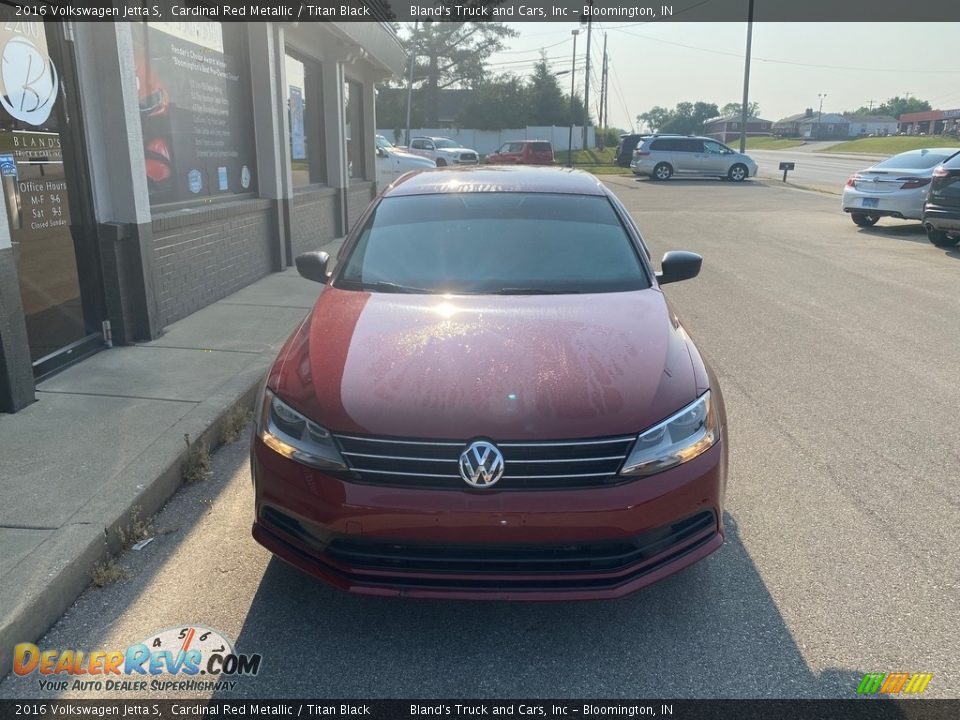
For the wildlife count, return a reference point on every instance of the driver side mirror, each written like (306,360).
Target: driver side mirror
(676,265)
(313,265)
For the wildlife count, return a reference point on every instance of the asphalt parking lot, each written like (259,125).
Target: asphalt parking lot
(836,348)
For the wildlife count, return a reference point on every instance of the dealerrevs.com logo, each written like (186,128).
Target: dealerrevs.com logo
(188,658)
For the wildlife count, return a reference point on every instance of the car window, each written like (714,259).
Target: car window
(691,145)
(664,144)
(382,142)
(487,242)
(915,159)
(446,143)
(543,147)
(417,144)
(503,148)
(515,147)
(714,147)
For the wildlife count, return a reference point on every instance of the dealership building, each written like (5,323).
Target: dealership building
(150,169)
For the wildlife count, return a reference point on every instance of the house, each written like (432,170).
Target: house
(871,124)
(726,128)
(814,125)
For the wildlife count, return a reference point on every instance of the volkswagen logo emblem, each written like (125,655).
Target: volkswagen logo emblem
(481,464)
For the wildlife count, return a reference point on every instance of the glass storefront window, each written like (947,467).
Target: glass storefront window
(195,110)
(305,122)
(353,107)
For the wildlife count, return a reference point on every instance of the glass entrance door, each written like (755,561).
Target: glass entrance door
(38,168)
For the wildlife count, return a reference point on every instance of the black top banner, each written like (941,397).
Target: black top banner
(422,709)
(641,11)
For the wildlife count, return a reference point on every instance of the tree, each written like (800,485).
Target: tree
(688,118)
(497,104)
(655,118)
(453,55)
(895,107)
(548,106)
(734,109)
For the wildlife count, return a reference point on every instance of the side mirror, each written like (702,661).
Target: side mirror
(676,265)
(313,265)
(381,152)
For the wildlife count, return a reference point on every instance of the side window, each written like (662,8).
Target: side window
(417,144)
(428,145)
(542,147)
(660,145)
(516,147)
(714,148)
(692,146)
(503,148)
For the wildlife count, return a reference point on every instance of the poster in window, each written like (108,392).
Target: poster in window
(195,110)
(298,140)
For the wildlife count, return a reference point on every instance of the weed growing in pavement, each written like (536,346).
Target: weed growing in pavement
(234,424)
(138,529)
(197,465)
(108,572)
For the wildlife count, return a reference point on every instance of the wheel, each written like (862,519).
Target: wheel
(864,220)
(738,173)
(441,162)
(941,239)
(663,171)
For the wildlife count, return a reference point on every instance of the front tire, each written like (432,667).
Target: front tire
(864,220)
(738,173)
(441,162)
(662,171)
(941,239)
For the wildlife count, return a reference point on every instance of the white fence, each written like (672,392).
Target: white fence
(488,141)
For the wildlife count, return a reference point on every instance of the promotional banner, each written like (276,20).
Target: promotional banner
(194,99)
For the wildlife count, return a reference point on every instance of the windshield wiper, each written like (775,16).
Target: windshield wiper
(533,291)
(383,286)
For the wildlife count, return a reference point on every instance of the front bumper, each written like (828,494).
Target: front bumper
(580,544)
(903,204)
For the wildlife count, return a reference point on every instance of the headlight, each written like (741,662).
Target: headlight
(679,438)
(292,435)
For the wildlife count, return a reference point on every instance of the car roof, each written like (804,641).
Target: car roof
(497,178)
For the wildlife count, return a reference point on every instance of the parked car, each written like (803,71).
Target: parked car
(444,151)
(941,213)
(895,187)
(491,399)
(392,162)
(663,156)
(623,155)
(522,152)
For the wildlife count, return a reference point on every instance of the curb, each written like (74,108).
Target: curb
(37,592)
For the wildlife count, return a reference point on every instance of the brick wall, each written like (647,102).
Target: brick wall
(209,253)
(359,196)
(313,219)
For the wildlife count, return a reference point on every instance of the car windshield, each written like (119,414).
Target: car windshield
(382,142)
(494,242)
(445,143)
(915,159)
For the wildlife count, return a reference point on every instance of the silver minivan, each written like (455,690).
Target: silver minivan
(663,156)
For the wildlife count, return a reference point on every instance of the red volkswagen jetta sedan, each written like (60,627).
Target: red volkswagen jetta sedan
(491,399)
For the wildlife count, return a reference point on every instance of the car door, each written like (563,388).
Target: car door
(716,158)
(689,157)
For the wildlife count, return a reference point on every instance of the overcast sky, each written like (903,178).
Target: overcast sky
(852,63)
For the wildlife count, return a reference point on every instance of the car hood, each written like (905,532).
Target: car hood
(454,151)
(404,155)
(518,367)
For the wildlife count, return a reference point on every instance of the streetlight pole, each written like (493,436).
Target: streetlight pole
(586,81)
(413,55)
(573,79)
(820,114)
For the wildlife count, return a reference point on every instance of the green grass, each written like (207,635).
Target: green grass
(767,143)
(893,145)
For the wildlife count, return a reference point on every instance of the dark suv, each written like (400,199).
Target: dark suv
(624,152)
(941,213)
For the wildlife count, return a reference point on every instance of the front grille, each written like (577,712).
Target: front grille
(468,157)
(540,566)
(533,465)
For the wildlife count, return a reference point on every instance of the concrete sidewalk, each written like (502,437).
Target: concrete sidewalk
(106,438)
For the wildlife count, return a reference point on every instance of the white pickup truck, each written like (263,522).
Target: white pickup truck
(443,151)
(392,162)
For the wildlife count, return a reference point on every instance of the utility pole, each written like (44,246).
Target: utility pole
(602,120)
(413,55)
(573,88)
(870,104)
(586,86)
(746,82)
(820,114)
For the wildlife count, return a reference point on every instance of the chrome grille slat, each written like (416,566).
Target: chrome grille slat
(531,465)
